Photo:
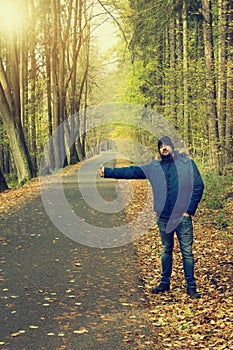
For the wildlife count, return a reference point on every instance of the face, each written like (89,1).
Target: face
(166,150)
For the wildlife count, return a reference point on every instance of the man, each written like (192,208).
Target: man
(177,189)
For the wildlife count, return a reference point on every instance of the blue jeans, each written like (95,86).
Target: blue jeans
(184,232)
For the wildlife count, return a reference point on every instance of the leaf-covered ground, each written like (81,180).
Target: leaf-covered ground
(177,321)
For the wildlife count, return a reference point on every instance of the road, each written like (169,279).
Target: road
(57,293)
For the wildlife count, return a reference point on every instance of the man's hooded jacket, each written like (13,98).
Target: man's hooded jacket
(176,183)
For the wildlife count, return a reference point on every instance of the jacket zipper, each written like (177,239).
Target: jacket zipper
(169,188)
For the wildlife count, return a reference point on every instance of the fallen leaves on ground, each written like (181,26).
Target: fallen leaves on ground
(14,197)
(177,321)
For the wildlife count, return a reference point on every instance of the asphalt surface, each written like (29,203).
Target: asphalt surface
(56,293)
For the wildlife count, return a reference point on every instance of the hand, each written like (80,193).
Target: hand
(186,214)
(101,171)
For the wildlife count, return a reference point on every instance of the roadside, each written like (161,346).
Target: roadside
(57,294)
(177,321)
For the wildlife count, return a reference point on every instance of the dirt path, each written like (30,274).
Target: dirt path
(58,294)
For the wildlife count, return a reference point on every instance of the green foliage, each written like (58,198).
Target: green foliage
(168,50)
(12,180)
(216,188)
(215,198)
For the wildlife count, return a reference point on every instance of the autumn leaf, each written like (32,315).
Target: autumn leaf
(183,320)
(81,331)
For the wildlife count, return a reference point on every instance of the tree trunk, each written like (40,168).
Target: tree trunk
(74,106)
(17,142)
(185,73)
(32,110)
(3,184)
(229,97)
(159,74)
(50,162)
(59,145)
(84,121)
(173,87)
(221,87)
(179,70)
(11,114)
(210,83)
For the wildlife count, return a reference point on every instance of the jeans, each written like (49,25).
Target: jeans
(184,232)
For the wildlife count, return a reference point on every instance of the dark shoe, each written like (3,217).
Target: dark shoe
(161,288)
(192,292)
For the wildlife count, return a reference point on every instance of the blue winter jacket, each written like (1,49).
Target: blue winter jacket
(176,183)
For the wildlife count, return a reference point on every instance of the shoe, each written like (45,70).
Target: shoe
(161,288)
(192,292)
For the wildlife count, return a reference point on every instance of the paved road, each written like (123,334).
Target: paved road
(56,293)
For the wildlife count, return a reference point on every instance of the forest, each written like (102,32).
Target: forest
(87,80)
(174,57)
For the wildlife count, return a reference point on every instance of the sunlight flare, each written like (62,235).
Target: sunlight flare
(11,16)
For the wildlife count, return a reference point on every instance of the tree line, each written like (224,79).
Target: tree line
(45,76)
(183,56)
(175,57)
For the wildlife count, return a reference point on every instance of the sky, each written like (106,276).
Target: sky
(11,17)
(105,31)
(106,36)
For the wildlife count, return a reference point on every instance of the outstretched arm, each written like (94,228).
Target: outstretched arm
(131,172)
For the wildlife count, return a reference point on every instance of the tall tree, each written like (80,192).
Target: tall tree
(57,74)
(3,183)
(10,109)
(210,82)
(185,73)
(172,70)
(222,81)
(229,92)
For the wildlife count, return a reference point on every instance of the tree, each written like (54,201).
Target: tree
(229,85)
(212,116)
(185,73)
(11,112)
(194,40)
(3,184)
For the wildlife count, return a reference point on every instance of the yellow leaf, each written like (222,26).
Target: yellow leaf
(81,331)
(15,334)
